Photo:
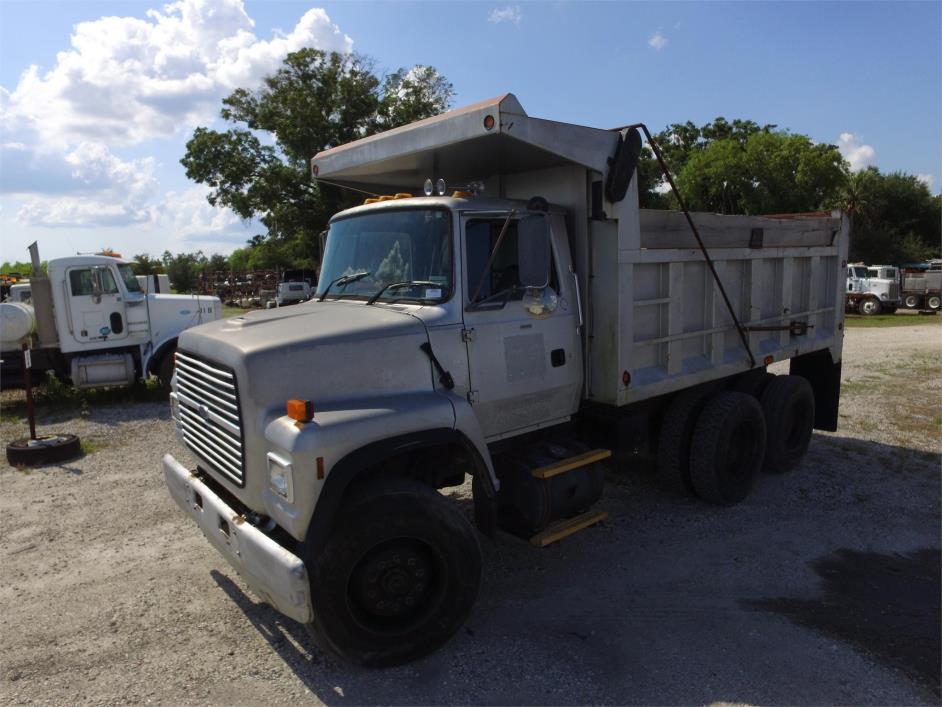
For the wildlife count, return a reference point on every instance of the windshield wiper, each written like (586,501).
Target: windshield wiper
(397,285)
(343,280)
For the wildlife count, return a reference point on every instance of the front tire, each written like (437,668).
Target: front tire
(397,577)
(870,306)
(165,369)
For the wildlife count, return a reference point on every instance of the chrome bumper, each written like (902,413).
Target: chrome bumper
(277,576)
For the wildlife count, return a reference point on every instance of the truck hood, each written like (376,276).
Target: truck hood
(330,352)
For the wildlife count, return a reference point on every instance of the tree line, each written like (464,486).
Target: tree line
(259,167)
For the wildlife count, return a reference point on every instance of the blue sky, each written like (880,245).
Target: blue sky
(97,99)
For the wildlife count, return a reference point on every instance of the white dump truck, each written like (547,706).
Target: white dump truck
(517,327)
(90,322)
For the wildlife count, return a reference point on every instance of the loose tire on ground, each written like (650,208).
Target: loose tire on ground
(788,405)
(50,449)
(869,306)
(727,448)
(397,577)
(673,448)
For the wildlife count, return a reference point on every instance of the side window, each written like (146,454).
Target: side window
(481,237)
(80,282)
(108,285)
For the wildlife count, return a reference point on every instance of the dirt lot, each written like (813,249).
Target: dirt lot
(823,587)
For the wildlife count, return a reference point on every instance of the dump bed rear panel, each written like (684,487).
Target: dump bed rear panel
(658,314)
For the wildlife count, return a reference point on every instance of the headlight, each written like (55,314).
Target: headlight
(279,477)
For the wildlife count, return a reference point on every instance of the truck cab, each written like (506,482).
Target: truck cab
(91,322)
(872,289)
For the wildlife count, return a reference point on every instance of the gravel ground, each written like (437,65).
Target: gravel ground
(823,587)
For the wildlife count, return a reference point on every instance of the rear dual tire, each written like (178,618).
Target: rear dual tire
(714,447)
(727,448)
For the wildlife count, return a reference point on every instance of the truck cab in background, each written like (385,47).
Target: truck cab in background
(90,322)
(872,289)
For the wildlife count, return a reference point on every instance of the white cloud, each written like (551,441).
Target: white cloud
(192,217)
(510,13)
(91,187)
(126,80)
(129,81)
(859,155)
(658,41)
(926,179)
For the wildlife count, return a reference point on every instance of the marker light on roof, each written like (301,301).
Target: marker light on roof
(440,187)
(428,187)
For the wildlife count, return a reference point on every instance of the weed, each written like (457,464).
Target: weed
(890,320)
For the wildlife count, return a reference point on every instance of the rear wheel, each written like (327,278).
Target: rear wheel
(788,406)
(673,448)
(869,306)
(397,577)
(933,302)
(753,382)
(727,448)
(911,302)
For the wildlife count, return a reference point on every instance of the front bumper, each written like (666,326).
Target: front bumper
(277,576)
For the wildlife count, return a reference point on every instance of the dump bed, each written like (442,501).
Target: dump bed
(658,313)
(655,319)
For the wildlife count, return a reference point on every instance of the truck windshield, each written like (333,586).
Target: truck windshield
(393,246)
(130,281)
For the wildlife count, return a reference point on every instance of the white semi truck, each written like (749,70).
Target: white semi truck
(518,328)
(91,323)
(872,289)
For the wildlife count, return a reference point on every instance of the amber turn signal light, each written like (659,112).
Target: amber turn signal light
(301,410)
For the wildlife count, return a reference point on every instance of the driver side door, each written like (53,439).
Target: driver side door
(525,372)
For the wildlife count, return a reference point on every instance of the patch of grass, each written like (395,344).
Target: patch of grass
(56,394)
(90,446)
(228,311)
(859,321)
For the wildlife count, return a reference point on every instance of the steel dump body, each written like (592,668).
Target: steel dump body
(654,317)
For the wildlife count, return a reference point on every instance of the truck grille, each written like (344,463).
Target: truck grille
(209,414)
(894,291)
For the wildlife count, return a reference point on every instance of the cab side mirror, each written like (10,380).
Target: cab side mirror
(533,251)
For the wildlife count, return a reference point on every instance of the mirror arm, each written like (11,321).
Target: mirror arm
(490,260)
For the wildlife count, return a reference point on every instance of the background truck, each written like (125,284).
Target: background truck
(921,286)
(872,289)
(90,322)
(518,328)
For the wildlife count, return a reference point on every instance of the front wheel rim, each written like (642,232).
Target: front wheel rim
(396,585)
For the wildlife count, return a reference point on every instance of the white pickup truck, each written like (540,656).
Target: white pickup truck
(90,322)
(519,328)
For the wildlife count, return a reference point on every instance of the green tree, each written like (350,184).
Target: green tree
(767,172)
(678,142)
(143,264)
(183,269)
(895,217)
(259,167)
